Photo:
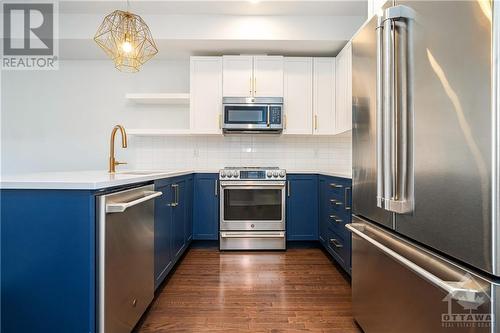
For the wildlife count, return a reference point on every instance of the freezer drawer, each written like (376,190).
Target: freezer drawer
(399,287)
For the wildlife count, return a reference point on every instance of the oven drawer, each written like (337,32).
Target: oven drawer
(270,240)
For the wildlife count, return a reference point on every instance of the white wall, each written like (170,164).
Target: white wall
(61,120)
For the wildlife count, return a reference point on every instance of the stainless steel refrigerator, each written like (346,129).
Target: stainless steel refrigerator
(426,174)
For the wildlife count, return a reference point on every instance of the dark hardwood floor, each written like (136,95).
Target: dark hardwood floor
(296,290)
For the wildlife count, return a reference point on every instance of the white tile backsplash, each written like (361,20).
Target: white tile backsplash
(332,154)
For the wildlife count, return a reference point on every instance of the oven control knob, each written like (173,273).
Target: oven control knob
(269,174)
(282,174)
(229,174)
(235,174)
(223,174)
(275,174)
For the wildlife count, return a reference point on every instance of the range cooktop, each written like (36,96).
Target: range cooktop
(252,173)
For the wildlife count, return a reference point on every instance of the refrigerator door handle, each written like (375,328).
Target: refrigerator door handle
(388,112)
(452,288)
(398,110)
(379,112)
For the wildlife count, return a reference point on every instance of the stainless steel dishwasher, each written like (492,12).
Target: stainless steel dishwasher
(126,257)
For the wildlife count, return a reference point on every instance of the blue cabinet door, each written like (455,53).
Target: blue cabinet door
(302,208)
(163,227)
(206,207)
(179,218)
(323,210)
(189,209)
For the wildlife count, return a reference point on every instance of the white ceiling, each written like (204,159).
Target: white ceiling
(217,7)
(214,27)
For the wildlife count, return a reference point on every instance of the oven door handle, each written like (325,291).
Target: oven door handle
(251,235)
(252,184)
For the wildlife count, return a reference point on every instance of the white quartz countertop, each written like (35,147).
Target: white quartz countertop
(94,180)
(83,180)
(321,172)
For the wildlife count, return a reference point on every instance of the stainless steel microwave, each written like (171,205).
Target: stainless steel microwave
(252,115)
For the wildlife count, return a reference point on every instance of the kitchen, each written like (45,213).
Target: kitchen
(322,166)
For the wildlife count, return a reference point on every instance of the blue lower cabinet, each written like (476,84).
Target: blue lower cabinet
(302,207)
(179,219)
(48,256)
(173,223)
(324,210)
(189,209)
(163,227)
(335,197)
(206,206)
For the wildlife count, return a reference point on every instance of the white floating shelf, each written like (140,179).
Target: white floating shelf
(160,98)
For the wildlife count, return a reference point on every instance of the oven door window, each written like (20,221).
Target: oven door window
(253,204)
(235,114)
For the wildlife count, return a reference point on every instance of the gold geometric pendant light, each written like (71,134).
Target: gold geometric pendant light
(126,39)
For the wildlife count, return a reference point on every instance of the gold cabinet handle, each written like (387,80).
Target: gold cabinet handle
(315,121)
(251,86)
(255,86)
(220,120)
(284,121)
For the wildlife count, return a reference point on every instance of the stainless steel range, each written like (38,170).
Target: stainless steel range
(252,208)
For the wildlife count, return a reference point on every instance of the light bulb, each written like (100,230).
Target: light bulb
(126,47)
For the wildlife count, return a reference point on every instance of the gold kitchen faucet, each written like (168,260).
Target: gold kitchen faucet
(112,161)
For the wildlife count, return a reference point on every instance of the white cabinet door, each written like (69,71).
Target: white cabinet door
(205,95)
(298,91)
(268,76)
(237,76)
(343,117)
(324,96)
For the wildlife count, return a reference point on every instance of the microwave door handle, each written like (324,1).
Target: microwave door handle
(268,116)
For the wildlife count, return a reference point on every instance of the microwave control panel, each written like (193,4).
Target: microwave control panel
(275,114)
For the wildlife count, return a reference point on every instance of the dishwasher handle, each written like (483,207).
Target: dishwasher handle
(120,207)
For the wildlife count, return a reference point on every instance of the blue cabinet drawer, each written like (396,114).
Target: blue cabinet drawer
(337,223)
(338,187)
(339,247)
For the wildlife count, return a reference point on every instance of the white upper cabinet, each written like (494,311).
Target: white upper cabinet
(206,95)
(268,76)
(298,95)
(238,76)
(252,76)
(343,119)
(324,96)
